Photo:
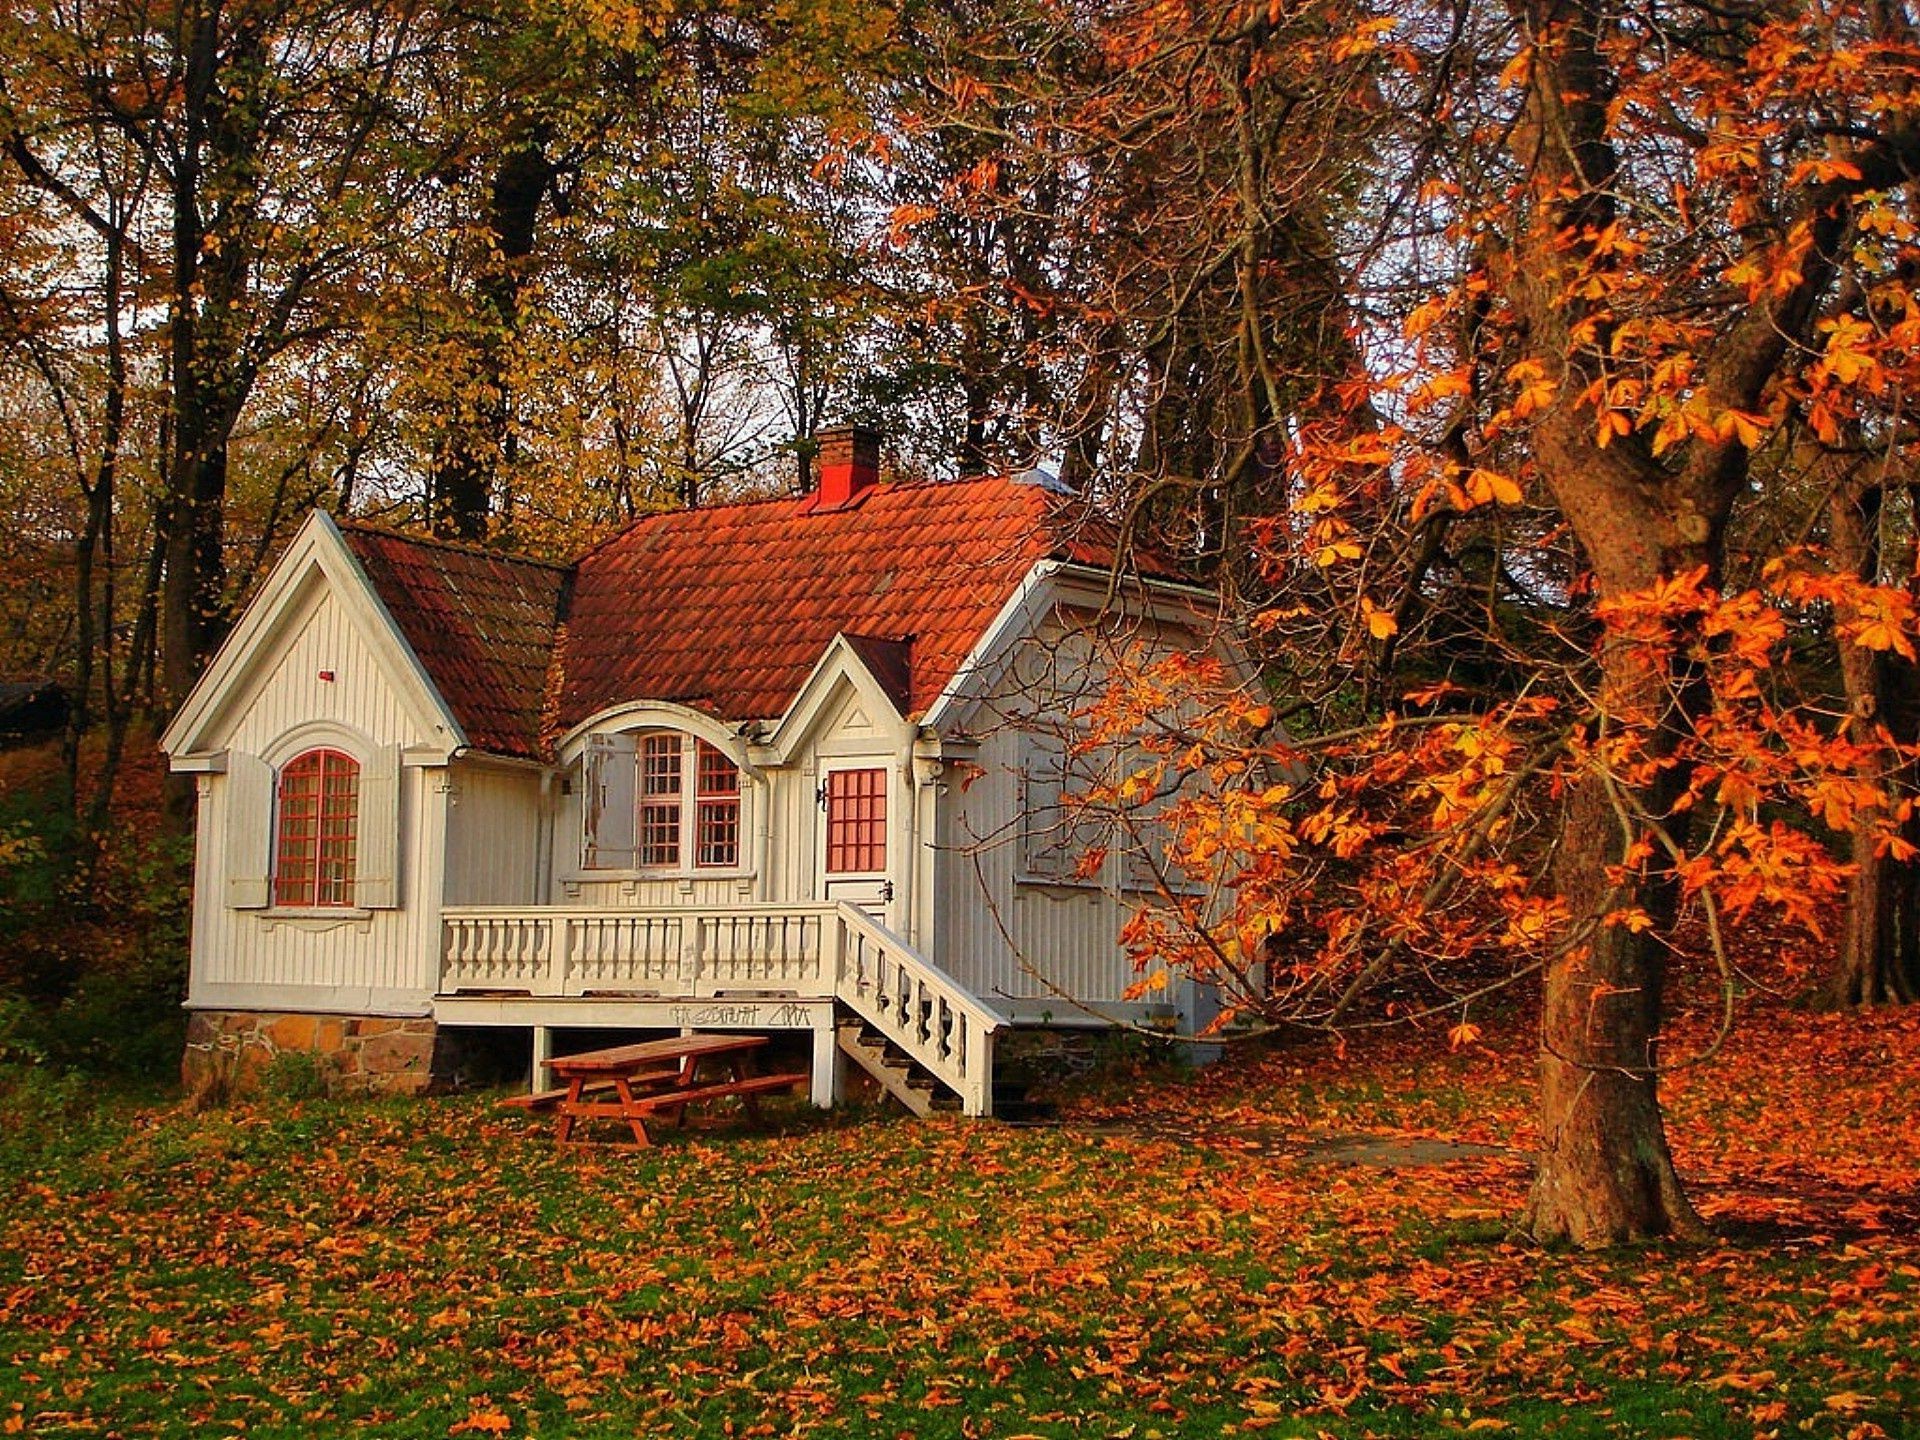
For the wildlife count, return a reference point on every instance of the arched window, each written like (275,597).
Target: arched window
(671,809)
(317,835)
(661,800)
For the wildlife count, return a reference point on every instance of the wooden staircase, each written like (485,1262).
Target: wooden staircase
(915,1029)
(894,1070)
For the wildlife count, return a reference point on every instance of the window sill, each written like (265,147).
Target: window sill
(315,919)
(1094,885)
(1089,884)
(587,877)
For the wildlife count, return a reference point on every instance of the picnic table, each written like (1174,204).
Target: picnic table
(636,1082)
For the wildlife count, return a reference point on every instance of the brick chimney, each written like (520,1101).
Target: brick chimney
(848,465)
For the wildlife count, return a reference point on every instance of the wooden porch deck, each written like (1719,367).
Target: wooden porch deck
(754,966)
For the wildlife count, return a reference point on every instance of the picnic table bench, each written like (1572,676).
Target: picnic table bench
(635,1082)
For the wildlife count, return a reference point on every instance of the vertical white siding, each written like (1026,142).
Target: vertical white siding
(379,960)
(493,834)
(1046,937)
(291,693)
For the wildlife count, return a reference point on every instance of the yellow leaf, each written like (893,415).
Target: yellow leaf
(1748,429)
(1613,423)
(1491,485)
(1380,623)
(1882,635)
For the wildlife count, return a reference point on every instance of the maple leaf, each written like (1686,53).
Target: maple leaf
(482,1422)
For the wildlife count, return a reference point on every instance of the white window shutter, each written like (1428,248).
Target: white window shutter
(249,787)
(608,803)
(376,878)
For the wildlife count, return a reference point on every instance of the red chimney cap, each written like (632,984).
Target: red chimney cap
(847,466)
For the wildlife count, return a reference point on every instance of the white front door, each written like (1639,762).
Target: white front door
(854,837)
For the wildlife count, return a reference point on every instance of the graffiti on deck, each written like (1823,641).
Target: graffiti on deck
(776,1017)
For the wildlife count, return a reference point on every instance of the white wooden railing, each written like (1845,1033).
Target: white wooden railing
(664,952)
(806,951)
(918,1006)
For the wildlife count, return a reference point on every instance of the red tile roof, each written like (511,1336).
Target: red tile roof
(728,609)
(482,624)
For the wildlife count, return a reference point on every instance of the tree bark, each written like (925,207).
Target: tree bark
(1878,962)
(1605,1174)
(479,443)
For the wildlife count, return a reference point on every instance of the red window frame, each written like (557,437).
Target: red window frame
(657,831)
(316,840)
(856,822)
(716,809)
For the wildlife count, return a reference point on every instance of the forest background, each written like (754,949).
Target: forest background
(1529,378)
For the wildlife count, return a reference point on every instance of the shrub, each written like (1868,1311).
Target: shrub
(296,1075)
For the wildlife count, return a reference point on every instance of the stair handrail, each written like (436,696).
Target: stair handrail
(968,1068)
(912,960)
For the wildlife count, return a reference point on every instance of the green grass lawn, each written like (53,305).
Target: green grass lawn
(1165,1263)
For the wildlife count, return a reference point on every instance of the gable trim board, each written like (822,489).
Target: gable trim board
(643,714)
(840,666)
(316,564)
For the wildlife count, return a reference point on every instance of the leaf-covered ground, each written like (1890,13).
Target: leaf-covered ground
(1175,1259)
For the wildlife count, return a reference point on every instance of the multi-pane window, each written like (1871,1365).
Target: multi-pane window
(681,796)
(716,810)
(856,822)
(660,801)
(319,813)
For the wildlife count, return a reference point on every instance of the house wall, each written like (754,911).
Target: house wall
(360,961)
(495,819)
(963,892)
(781,821)
(1031,942)
(1007,934)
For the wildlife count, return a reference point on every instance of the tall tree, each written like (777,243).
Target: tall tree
(1606,265)
(272,133)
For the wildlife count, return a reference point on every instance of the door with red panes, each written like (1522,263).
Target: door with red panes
(854,837)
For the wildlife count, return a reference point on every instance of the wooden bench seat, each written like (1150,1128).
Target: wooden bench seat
(542,1101)
(615,1109)
(714,1090)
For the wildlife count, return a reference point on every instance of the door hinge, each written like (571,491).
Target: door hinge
(820,795)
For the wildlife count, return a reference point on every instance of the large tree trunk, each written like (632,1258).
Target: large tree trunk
(1878,962)
(480,442)
(1605,1174)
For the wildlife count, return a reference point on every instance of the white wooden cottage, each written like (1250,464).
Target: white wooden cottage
(781,765)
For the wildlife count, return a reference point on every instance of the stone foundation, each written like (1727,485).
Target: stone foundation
(235,1051)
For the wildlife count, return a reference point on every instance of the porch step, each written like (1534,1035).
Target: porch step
(895,1071)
